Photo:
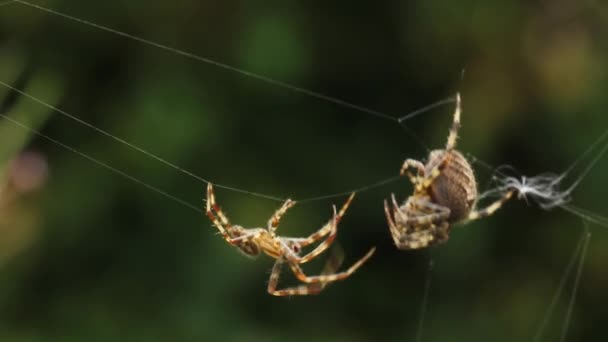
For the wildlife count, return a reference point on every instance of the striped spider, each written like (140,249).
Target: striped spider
(253,241)
(445,193)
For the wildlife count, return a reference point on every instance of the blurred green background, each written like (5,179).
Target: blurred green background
(92,256)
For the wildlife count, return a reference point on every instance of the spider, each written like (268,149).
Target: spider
(445,193)
(253,241)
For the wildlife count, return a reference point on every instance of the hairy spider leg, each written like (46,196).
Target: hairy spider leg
(490,209)
(328,278)
(220,223)
(251,234)
(437,212)
(395,232)
(330,229)
(327,228)
(273,222)
(450,146)
(453,136)
(438,215)
(301,290)
(438,234)
(331,266)
(412,163)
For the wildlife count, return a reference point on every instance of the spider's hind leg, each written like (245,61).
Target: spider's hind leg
(302,290)
(328,278)
(331,266)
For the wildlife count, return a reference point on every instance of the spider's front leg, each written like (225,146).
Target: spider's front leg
(220,221)
(417,165)
(314,237)
(223,225)
(273,222)
(330,229)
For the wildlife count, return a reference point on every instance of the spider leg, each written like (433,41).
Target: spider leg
(301,290)
(490,209)
(328,278)
(395,231)
(220,221)
(330,229)
(326,229)
(251,234)
(412,163)
(453,136)
(397,208)
(331,236)
(442,232)
(409,234)
(273,222)
(331,266)
(314,237)
(450,146)
(429,213)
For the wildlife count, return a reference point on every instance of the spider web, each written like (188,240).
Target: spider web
(543,189)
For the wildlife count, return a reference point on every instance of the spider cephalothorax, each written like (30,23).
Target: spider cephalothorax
(445,193)
(253,241)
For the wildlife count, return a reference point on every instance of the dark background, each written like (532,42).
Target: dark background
(93,256)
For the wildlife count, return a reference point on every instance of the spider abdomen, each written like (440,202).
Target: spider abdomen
(455,187)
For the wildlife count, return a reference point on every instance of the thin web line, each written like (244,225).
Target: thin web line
(362,189)
(425,300)
(415,113)
(285,86)
(255,76)
(594,161)
(588,215)
(137,148)
(298,90)
(577,280)
(560,289)
(165,162)
(102,164)
(237,70)
(193,56)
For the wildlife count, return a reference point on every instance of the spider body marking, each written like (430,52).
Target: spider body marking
(286,250)
(445,193)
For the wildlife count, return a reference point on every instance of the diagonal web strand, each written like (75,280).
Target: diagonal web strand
(102,164)
(215,63)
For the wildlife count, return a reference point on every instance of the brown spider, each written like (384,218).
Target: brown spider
(445,193)
(253,241)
